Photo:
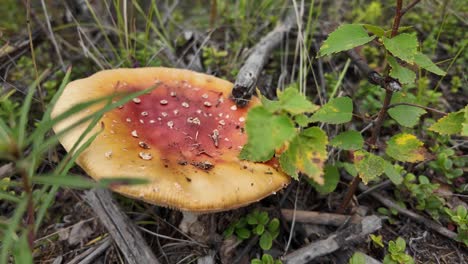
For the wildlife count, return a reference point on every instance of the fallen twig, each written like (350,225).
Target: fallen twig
(92,253)
(346,237)
(416,217)
(319,218)
(246,80)
(122,230)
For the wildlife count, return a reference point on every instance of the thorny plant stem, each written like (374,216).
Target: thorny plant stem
(399,12)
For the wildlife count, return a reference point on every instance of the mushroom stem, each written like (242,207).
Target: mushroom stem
(188,220)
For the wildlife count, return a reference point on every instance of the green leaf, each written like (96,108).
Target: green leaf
(266,241)
(392,173)
(357,258)
(403,46)
(426,63)
(256,261)
(302,120)
(403,74)
(368,165)
(348,140)
(449,124)
(406,147)
(22,253)
(263,218)
(464,131)
(331,179)
(306,153)
(378,31)
(349,168)
(266,132)
(274,224)
(243,233)
(377,240)
(292,101)
(259,229)
(345,37)
(406,115)
(5,196)
(336,111)
(267,259)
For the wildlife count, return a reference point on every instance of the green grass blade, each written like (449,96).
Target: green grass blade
(9,197)
(21,129)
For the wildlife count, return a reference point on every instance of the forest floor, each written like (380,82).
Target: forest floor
(40,40)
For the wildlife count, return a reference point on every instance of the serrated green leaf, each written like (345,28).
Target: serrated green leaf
(403,46)
(266,241)
(401,73)
(331,179)
(336,111)
(449,124)
(291,101)
(266,132)
(426,63)
(345,37)
(348,140)
(406,147)
(378,31)
(368,165)
(392,173)
(406,115)
(306,153)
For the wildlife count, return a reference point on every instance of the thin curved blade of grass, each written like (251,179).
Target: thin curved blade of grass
(9,197)
(21,128)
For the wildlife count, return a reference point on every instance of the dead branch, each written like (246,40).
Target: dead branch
(247,78)
(122,230)
(346,237)
(318,218)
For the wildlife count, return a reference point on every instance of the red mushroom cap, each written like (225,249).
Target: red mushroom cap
(184,137)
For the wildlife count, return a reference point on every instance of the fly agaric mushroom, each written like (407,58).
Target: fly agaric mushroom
(184,137)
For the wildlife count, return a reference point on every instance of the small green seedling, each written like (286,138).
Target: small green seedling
(397,255)
(460,217)
(266,259)
(257,223)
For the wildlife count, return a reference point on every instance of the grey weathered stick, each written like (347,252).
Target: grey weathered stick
(318,218)
(246,80)
(122,230)
(416,217)
(346,237)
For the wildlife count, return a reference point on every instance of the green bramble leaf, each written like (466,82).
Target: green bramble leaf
(348,140)
(426,63)
(266,132)
(450,124)
(406,147)
(406,115)
(403,46)
(402,74)
(331,179)
(345,37)
(368,165)
(290,100)
(306,153)
(392,173)
(336,111)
